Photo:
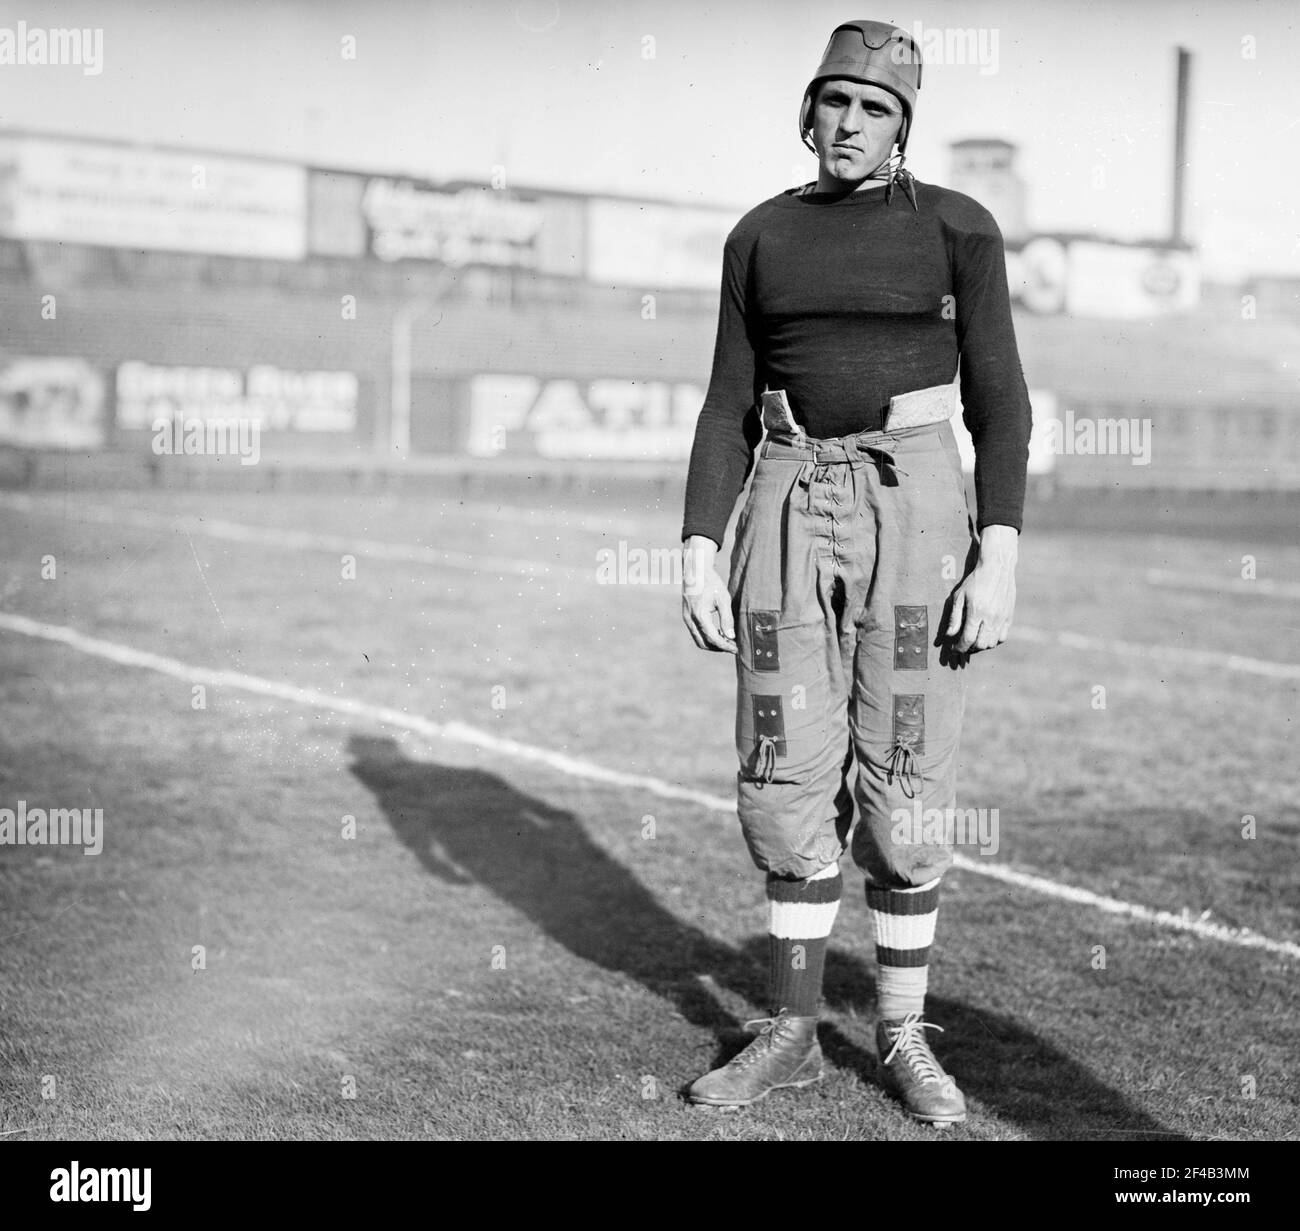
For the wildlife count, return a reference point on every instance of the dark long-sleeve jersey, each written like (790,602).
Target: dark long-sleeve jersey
(844,301)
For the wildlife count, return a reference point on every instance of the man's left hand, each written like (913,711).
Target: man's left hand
(983,605)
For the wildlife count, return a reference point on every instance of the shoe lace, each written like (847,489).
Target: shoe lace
(765,768)
(909,1039)
(757,1046)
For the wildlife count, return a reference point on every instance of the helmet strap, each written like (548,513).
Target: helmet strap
(898,174)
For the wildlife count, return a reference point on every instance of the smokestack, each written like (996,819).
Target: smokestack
(1180,147)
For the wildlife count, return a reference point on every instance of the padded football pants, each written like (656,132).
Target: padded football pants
(846,556)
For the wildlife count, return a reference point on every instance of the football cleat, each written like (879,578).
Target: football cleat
(908,1069)
(784,1055)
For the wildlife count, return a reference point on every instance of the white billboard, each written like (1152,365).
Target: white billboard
(51,403)
(573,419)
(1130,282)
(1103,279)
(121,196)
(278,399)
(630,244)
(409,220)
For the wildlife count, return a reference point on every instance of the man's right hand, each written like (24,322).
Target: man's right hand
(706,603)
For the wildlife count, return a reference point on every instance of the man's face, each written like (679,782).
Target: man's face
(854,126)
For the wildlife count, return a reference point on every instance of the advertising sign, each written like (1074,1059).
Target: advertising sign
(120,196)
(51,403)
(409,220)
(334,223)
(626,419)
(278,399)
(1128,282)
(648,245)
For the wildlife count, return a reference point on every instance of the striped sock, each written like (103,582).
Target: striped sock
(904,921)
(800,916)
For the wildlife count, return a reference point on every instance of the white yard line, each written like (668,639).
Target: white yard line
(1175,655)
(575,767)
(378,549)
(520,515)
(1263,587)
(476,510)
(303,540)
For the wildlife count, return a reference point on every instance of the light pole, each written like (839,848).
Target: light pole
(399,404)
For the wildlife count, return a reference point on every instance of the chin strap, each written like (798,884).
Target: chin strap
(898,175)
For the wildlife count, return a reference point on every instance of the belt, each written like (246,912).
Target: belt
(854,452)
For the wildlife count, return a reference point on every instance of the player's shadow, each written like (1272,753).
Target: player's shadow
(999,1061)
(467,826)
(471,827)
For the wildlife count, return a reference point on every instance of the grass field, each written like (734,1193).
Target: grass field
(501,950)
